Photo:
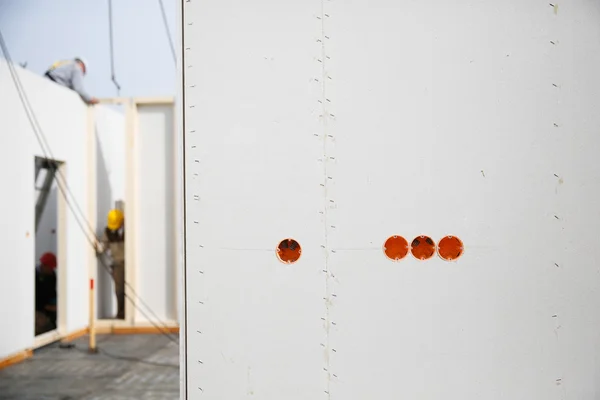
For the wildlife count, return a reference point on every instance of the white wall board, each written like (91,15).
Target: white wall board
(63,118)
(253,178)
(342,123)
(155,174)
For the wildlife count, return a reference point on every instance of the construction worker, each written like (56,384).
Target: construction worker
(114,240)
(69,73)
(45,294)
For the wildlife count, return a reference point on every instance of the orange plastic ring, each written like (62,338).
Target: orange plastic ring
(288,251)
(395,248)
(422,247)
(450,248)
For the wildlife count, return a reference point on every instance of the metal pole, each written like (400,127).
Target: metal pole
(92,346)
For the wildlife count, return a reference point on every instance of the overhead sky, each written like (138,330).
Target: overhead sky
(41,32)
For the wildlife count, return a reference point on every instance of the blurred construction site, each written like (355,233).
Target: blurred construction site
(90,288)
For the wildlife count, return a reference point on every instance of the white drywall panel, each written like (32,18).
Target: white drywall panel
(110,136)
(62,116)
(456,135)
(155,172)
(472,119)
(254,176)
(19,262)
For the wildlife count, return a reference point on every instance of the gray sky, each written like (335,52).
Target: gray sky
(41,32)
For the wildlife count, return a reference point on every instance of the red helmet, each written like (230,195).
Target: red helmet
(48,259)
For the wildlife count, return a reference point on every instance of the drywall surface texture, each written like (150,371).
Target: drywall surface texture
(63,118)
(340,124)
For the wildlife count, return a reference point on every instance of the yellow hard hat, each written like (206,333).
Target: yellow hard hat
(114,220)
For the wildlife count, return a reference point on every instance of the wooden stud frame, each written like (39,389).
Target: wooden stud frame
(132,200)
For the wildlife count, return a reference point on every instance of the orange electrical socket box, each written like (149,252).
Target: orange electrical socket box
(289,251)
(422,247)
(395,248)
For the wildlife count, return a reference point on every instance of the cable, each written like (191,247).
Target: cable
(112,55)
(122,358)
(64,188)
(168,32)
(138,360)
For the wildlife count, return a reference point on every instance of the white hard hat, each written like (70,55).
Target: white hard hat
(84,62)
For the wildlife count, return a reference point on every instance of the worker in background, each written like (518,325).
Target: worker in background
(114,240)
(70,74)
(45,294)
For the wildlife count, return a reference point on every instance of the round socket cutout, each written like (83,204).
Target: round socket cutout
(422,247)
(395,248)
(450,248)
(289,251)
